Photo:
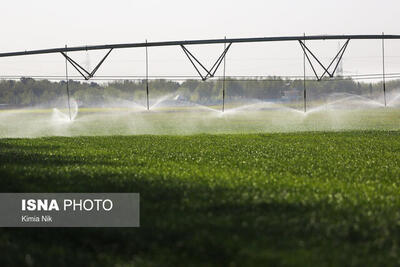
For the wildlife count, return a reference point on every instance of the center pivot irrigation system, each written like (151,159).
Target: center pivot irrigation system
(205,73)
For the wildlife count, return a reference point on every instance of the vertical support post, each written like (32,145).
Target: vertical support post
(383,68)
(304,78)
(147,78)
(223,81)
(67,80)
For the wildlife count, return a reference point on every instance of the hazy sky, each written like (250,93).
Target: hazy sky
(41,24)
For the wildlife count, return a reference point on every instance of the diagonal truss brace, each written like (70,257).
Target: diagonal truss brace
(82,71)
(210,72)
(338,57)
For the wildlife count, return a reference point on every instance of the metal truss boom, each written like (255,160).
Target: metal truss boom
(222,58)
(82,71)
(210,72)
(199,42)
(338,57)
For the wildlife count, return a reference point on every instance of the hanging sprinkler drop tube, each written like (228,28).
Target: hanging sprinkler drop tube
(223,82)
(67,81)
(383,69)
(304,78)
(147,78)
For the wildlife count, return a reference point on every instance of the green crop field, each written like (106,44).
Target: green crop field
(281,199)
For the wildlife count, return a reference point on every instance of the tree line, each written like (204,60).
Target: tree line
(31,92)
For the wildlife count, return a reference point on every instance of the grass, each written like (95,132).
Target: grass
(288,199)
